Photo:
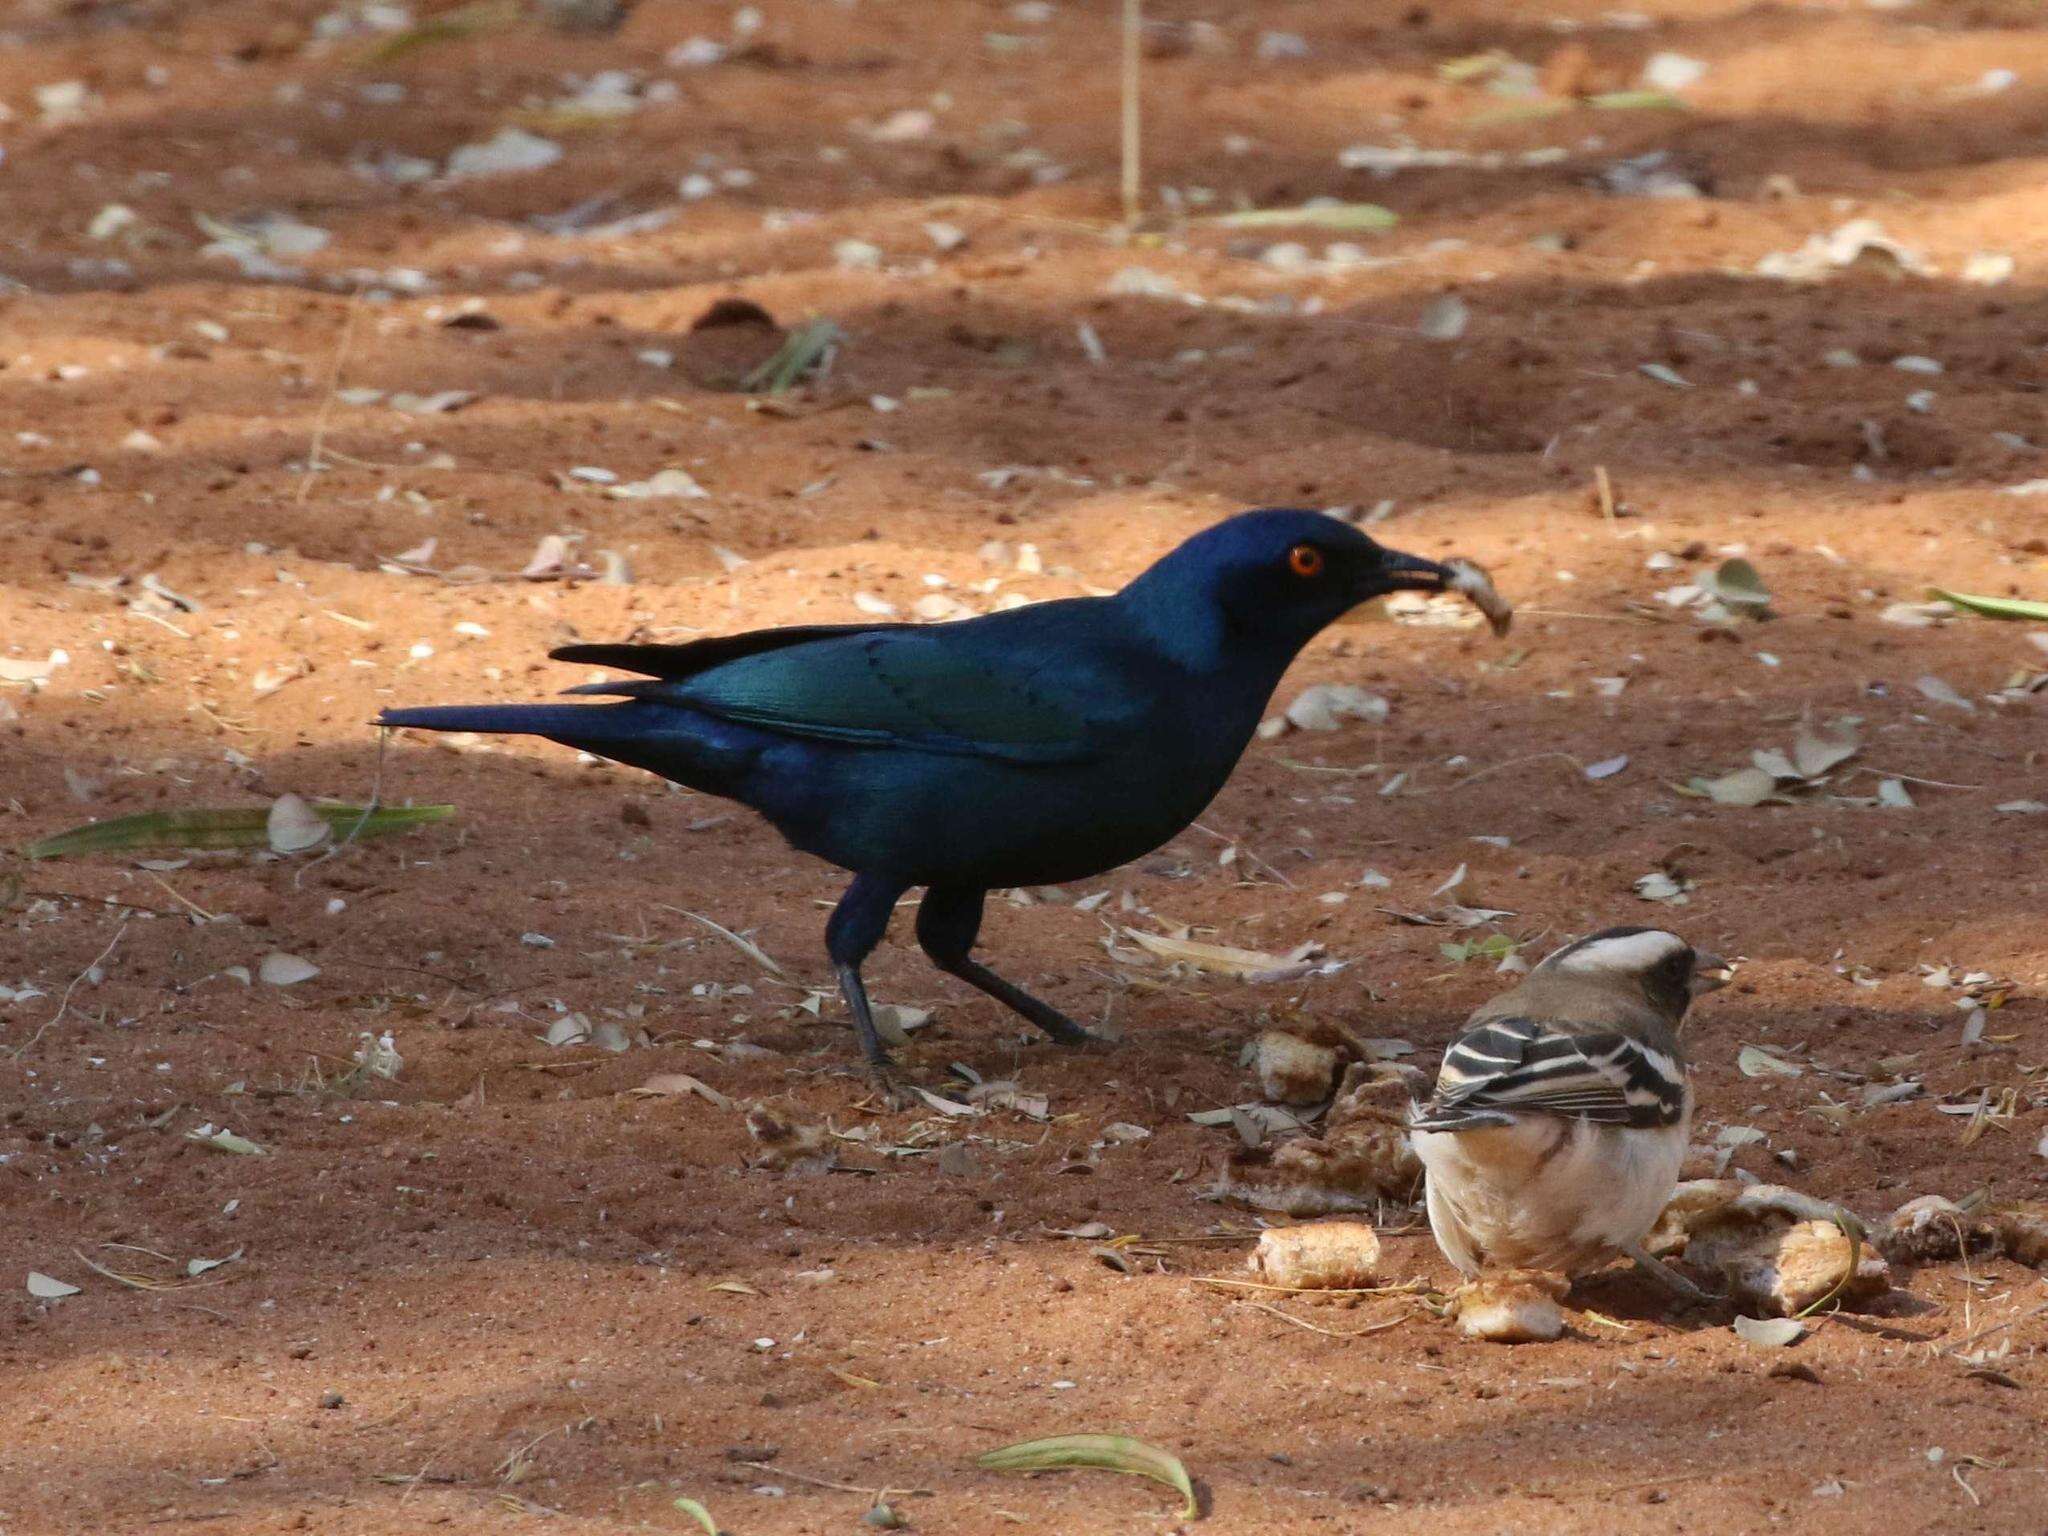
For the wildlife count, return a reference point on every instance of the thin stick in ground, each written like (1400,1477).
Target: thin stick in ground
(1133,178)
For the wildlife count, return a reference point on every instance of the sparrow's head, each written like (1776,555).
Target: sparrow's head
(1669,972)
(1275,578)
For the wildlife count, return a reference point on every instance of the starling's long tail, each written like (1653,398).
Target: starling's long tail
(679,744)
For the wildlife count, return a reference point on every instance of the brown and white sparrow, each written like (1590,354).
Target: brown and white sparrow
(1561,1115)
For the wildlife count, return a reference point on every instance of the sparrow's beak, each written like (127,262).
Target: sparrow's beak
(1710,972)
(1405,573)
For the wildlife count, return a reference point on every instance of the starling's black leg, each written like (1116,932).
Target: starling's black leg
(947,923)
(855,928)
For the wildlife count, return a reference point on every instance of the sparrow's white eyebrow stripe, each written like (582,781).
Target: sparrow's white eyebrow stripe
(1630,952)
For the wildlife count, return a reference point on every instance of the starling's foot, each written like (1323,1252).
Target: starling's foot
(889,1084)
(1088,1040)
(1670,1278)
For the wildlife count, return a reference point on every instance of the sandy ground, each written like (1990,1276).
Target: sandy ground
(486,1291)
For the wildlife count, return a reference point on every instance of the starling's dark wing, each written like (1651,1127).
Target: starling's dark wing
(957,689)
(673,663)
(1521,1066)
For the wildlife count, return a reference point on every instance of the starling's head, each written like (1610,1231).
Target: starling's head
(1669,972)
(1278,577)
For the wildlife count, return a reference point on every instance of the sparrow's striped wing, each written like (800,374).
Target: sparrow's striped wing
(1528,1067)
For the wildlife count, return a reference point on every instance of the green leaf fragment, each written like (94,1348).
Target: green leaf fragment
(1495,946)
(804,349)
(224,1140)
(698,1513)
(1110,1453)
(1994,607)
(1737,583)
(234,827)
(452,26)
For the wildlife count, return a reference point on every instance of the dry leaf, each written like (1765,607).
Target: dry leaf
(293,826)
(1815,751)
(224,1140)
(665,1085)
(1771,1332)
(1745,786)
(1760,1063)
(1941,693)
(1327,705)
(1222,959)
(281,970)
(1736,583)
(1659,886)
(48,1288)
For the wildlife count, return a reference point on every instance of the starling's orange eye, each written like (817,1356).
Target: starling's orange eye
(1305,560)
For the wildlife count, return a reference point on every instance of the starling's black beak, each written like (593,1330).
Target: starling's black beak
(1397,572)
(1710,972)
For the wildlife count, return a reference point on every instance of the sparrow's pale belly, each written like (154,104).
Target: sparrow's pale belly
(1546,1192)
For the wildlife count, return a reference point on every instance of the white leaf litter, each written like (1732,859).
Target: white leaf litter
(1672,72)
(1858,241)
(1659,886)
(48,1288)
(1934,688)
(570,1029)
(1756,1062)
(1918,615)
(431,405)
(27,669)
(224,1140)
(281,970)
(1445,319)
(196,1267)
(508,152)
(1770,1332)
(667,482)
(293,826)
(1988,268)
(1325,706)
(1607,768)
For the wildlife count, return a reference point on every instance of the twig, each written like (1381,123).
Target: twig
(1886,773)
(186,902)
(1133,175)
(1603,488)
(819,1482)
(1335,1333)
(64,1004)
(369,810)
(105,901)
(1601,618)
(1405,1288)
(1985,1333)
(1231,842)
(348,334)
(1487,773)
